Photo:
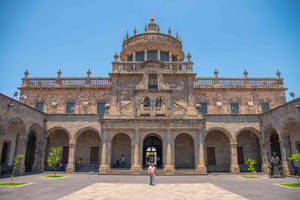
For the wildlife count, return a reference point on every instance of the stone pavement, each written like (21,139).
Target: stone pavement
(102,187)
(203,191)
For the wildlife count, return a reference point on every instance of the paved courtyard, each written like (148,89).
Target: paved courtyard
(99,187)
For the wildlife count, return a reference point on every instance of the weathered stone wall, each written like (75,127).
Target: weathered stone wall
(249,100)
(55,100)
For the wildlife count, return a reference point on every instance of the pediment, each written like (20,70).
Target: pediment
(152,64)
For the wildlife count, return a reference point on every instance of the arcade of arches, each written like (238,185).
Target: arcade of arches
(221,152)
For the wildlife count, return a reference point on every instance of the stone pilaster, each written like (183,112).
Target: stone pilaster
(71,159)
(201,168)
(104,168)
(136,167)
(234,167)
(169,166)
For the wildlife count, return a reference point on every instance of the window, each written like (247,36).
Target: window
(174,58)
(152,82)
(264,107)
(139,56)
(234,107)
(70,107)
(130,58)
(164,56)
(151,55)
(240,155)
(203,108)
(211,157)
(39,106)
(101,108)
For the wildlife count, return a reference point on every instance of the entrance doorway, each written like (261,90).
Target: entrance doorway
(30,152)
(152,152)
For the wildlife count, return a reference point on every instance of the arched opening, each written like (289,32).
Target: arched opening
(58,138)
(248,146)
(121,151)
(30,151)
(184,152)
(160,106)
(145,106)
(152,151)
(218,156)
(274,143)
(87,151)
(12,146)
(293,130)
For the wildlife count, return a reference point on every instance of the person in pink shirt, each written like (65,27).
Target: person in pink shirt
(152,173)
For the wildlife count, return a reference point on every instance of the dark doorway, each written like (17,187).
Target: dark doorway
(94,155)
(275,145)
(5,153)
(30,152)
(65,153)
(152,151)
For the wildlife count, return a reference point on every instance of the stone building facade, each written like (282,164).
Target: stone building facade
(151,108)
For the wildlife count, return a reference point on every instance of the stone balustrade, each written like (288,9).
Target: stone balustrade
(151,37)
(121,67)
(275,83)
(99,82)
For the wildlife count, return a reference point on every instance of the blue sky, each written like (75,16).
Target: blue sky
(74,36)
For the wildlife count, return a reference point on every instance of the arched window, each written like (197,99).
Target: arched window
(159,102)
(146,102)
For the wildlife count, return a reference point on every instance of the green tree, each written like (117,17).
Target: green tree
(16,162)
(54,157)
(250,163)
(296,157)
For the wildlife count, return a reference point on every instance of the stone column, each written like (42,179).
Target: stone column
(234,167)
(145,54)
(158,54)
(71,159)
(38,158)
(264,156)
(1,146)
(104,168)
(169,166)
(170,56)
(21,149)
(201,168)
(133,57)
(136,167)
(284,147)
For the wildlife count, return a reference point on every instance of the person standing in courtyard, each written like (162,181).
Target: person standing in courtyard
(79,162)
(123,161)
(152,173)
